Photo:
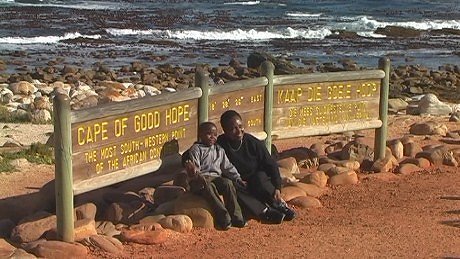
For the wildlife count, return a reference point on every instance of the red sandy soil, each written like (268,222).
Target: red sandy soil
(410,216)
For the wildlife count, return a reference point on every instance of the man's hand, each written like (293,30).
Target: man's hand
(277,196)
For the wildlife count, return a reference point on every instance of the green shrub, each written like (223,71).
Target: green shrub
(9,117)
(37,153)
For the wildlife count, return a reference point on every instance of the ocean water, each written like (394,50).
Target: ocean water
(187,32)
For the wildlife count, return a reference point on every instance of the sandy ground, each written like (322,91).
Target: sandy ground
(405,217)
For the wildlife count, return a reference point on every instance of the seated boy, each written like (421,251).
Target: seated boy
(210,174)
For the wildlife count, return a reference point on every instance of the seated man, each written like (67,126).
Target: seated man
(210,174)
(257,168)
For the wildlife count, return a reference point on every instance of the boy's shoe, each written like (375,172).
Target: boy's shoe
(239,223)
(283,208)
(272,216)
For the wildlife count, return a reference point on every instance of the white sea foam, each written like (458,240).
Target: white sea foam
(370,34)
(304,14)
(83,6)
(121,32)
(45,39)
(364,23)
(233,35)
(243,3)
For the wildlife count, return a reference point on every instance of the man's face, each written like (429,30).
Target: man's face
(234,129)
(208,136)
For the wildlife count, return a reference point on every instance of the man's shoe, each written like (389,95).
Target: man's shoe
(239,223)
(283,208)
(272,216)
(224,227)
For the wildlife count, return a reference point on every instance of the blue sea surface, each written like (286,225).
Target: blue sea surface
(189,32)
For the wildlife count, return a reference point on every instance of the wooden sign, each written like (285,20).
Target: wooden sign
(131,143)
(305,109)
(247,100)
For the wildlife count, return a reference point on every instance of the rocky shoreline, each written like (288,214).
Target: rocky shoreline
(28,94)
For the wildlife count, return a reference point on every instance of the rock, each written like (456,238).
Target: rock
(189,200)
(455,117)
(344,179)
(453,135)
(305,157)
(84,228)
(306,202)
(151,91)
(147,194)
(397,104)
(428,128)
(106,228)
(310,189)
(12,143)
(20,162)
(336,170)
(86,211)
(164,194)
(41,116)
(200,217)
(430,104)
(151,219)
(439,156)
(178,223)
(127,213)
(105,243)
(33,230)
(290,192)
(384,165)
(411,149)
(42,103)
(290,164)
(396,147)
(318,178)
(334,147)
(23,87)
(357,152)
(21,254)
(144,237)
(398,32)
(407,169)
(6,249)
(56,249)
(326,167)
(419,162)
(287,176)
(319,149)
(353,165)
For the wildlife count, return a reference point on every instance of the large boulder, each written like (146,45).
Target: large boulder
(428,128)
(430,104)
(357,152)
(178,223)
(34,227)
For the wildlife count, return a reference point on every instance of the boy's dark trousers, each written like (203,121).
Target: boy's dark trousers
(210,188)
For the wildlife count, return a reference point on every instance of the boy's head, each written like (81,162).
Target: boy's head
(207,133)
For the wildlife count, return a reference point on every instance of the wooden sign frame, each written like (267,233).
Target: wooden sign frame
(283,106)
